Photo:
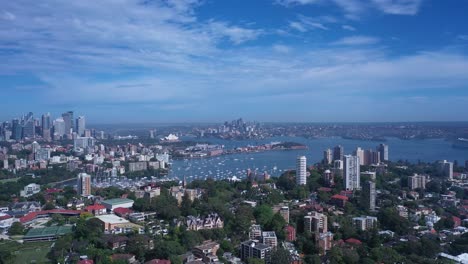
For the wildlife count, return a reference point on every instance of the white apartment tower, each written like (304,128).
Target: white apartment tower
(351,172)
(301,171)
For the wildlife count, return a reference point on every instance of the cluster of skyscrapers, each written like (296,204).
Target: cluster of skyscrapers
(28,127)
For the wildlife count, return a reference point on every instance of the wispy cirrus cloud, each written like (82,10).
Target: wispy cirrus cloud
(353,9)
(357,40)
(305,23)
(348,27)
(398,7)
(297,2)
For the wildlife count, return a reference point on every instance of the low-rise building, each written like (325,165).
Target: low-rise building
(212,221)
(269,238)
(112,224)
(254,249)
(30,190)
(206,251)
(255,232)
(111,204)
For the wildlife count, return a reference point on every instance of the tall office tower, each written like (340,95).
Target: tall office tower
(446,169)
(69,122)
(338,152)
(360,153)
(80,125)
(84,184)
(59,127)
(351,172)
(45,124)
(17,130)
(369,195)
(301,171)
(29,126)
(327,156)
(417,181)
(383,150)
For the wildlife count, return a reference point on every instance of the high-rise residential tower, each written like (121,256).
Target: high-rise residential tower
(84,184)
(369,195)
(351,172)
(301,170)
(327,156)
(338,152)
(383,150)
(360,153)
(446,169)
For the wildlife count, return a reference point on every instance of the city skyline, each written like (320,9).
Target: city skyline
(206,61)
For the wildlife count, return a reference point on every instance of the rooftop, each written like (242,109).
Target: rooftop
(48,231)
(117,201)
(112,219)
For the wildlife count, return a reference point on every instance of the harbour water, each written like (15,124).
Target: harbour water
(276,162)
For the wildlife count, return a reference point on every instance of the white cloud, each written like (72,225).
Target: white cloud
(236,34)
(398,7)
(348,27)
(297,26)
(353,9)
(163,54)
(296,2)
(357,40)
(304,23)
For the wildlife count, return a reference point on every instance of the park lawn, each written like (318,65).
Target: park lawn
(34,252)
(9,180)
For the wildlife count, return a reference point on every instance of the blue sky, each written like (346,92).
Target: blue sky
(206,60)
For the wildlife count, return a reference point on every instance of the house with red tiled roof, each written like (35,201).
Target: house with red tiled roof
(96,209)
(339,200)
(29,218)
(353,241)
(456,221)
(158,261)
(123,212)
(85,261)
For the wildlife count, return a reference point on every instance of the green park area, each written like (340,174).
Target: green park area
(14,252)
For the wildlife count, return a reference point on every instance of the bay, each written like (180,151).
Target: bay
(276,162)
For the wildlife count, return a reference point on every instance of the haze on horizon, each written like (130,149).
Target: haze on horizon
(176,61)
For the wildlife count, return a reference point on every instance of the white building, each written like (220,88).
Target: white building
(351,172)
(301,171)
(269,238)
(360,154)
(83,142)
(30,190)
